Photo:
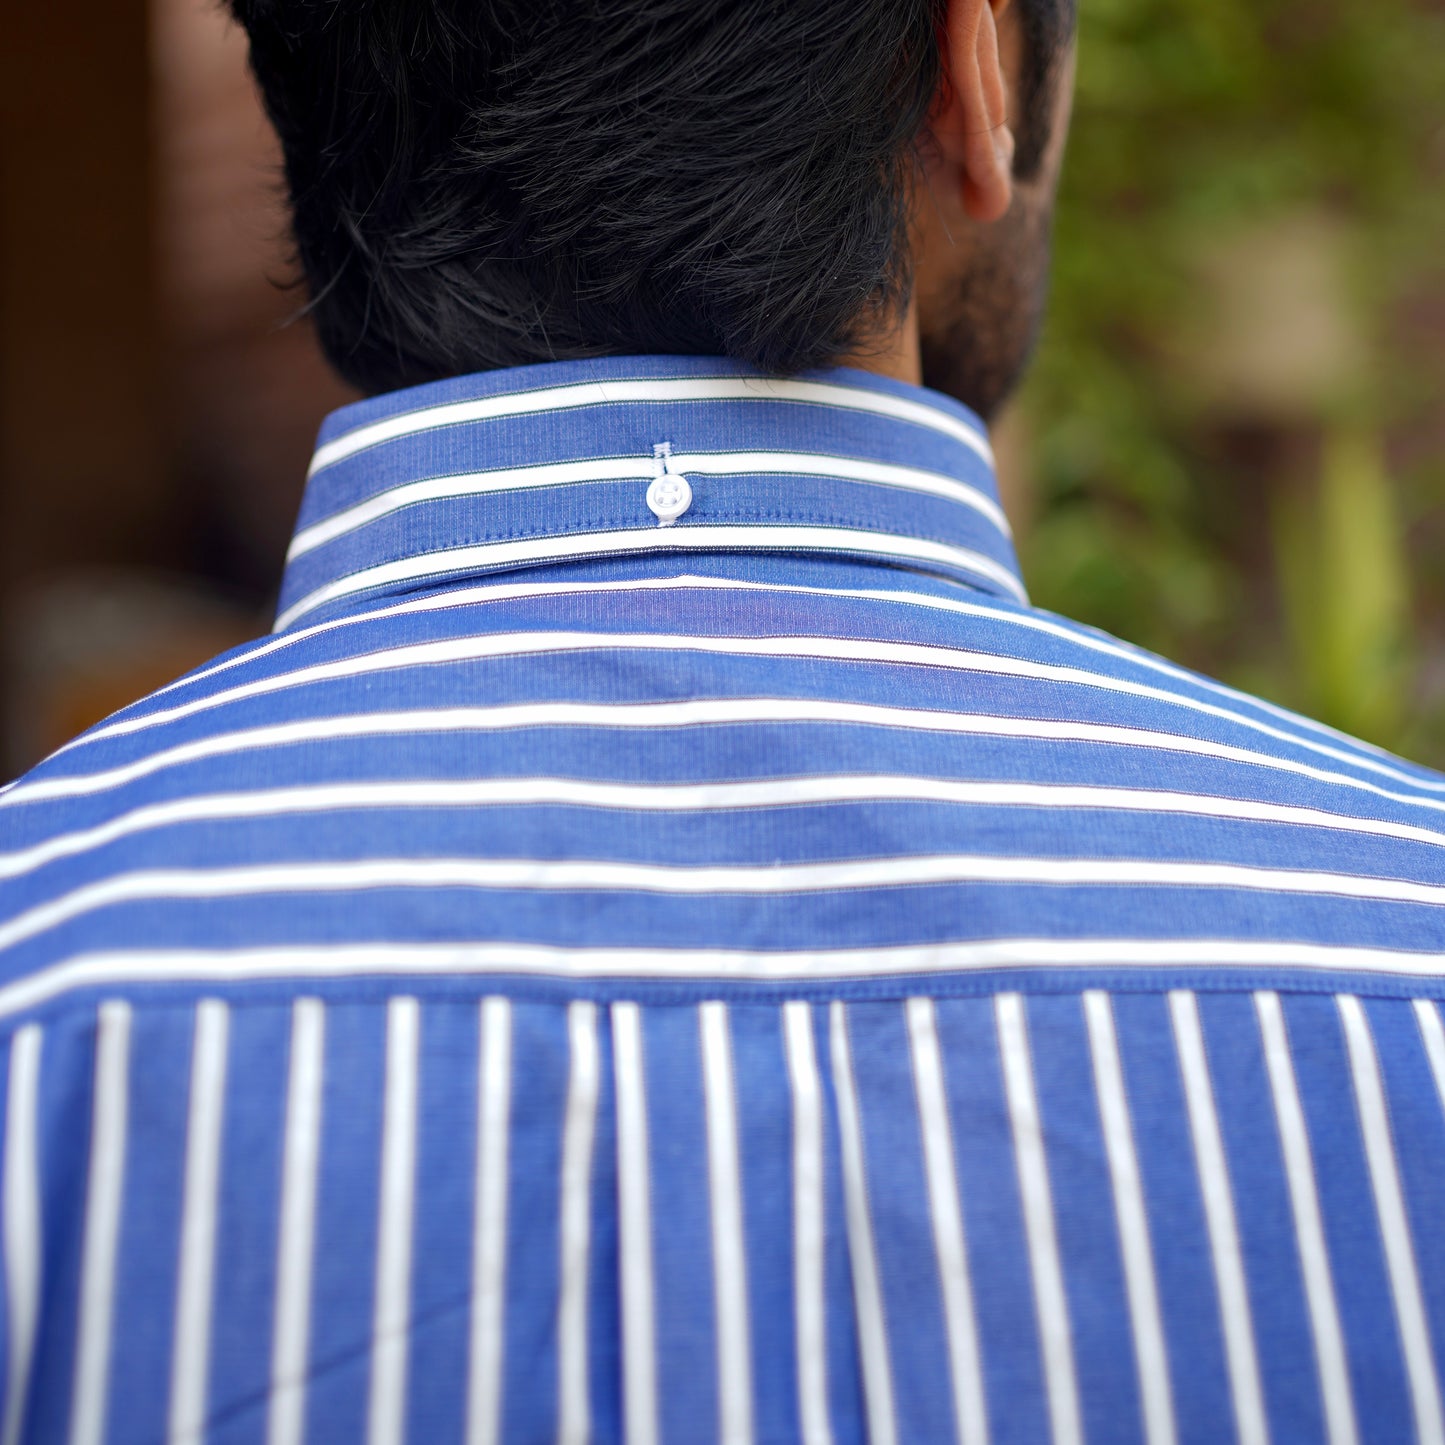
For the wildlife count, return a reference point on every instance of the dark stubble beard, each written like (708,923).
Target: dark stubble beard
(977,339)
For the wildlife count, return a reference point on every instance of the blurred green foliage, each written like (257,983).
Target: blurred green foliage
(1342,574)
(1237,420)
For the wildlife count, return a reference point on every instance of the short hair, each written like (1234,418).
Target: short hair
(488,183)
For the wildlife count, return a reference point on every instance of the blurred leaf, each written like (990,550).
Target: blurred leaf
(1344,576)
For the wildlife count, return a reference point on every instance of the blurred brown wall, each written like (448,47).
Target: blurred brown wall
(157,405)
(82,471)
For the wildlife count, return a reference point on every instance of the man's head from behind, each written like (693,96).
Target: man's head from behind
(487,183)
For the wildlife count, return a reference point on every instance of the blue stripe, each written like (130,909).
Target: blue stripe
(245,1281)
(604,1336)
(145,1285)
(529,1364)
(446,1170)
(67,1073)
(343,1284)
(681,1224)
(764,1144)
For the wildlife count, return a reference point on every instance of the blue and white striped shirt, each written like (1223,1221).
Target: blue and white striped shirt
(665,944)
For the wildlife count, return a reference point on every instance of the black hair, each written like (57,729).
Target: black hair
(487,183)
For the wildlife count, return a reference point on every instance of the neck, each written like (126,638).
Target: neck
(897,353)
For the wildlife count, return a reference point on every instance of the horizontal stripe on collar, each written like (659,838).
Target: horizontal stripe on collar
(546,465)
(605,469)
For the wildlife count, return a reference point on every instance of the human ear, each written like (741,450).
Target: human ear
(969,119)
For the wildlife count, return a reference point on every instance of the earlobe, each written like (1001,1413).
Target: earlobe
(970,123)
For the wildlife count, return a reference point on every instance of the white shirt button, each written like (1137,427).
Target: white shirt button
(669,497)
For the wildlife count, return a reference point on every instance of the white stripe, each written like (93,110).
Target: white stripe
(467,484)
(390,1329)
(549,875)
(1338,746)
(639,1334)
(489,1239)
(574,1411)
(22,1233)
(867,1288)
(809,1296)
(1322,739)
(1150,1354)
(1394,1225)
(1219,1217)
(489,646)
(816,789)
(966,1373)
(1428,1017)
(104,1195)
(191,1356)
(1308,1226)
(851,469)
(696,712)
(494,589)
(452,960)
(703,537)
(854,650)
(729,1253)
(291,1333)
(1050,1303)
(639,469)
(646,391)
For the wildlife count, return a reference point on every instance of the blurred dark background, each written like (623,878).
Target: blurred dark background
(156,409)
(1232,449)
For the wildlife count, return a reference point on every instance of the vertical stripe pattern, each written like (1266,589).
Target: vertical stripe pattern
(192,1351)
(944,1269)
(104,1194)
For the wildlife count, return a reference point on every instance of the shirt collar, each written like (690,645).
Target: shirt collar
(441,484)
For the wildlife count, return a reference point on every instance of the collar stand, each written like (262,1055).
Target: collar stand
(442,484)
